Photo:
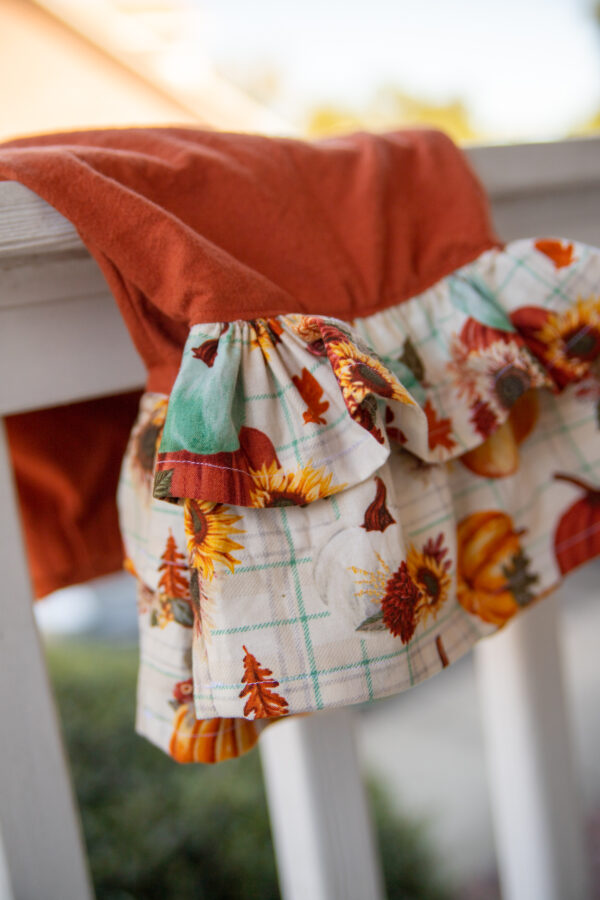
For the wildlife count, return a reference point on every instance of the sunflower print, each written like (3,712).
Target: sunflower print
(572,338)
(209,527)
(497,375)
(411,594)
(396,594)
(273,486)
(145,439)
(203,606)
(264,335)
(360,374)
(429,570)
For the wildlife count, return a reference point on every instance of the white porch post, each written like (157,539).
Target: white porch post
(43,856)
(321,826)
(538,823)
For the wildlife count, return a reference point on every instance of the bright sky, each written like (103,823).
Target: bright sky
(527,69)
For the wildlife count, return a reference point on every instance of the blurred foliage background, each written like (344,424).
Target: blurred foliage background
(157,830)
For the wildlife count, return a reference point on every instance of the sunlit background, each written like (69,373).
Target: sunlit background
(492,71)
(488,71)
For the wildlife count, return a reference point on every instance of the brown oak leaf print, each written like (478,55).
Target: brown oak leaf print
(311,392)
(440,430)
(259,683)
(173,582)
(561,254)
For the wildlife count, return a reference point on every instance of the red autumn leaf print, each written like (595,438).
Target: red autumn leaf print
(311,392)
(262,699)
(207,351)
(377,515)
(577,536)
(440,430)
(561,254)
(399,605)
(173,582)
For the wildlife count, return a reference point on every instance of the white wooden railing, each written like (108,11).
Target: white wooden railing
(62,339)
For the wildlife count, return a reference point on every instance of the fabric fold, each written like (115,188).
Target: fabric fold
(327,563)
(370,433)
(292,409)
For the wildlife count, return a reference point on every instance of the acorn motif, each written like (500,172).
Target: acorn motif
(498,455)
(207,351)
(377,515)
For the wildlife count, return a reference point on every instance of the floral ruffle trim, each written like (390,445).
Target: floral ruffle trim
(289,410)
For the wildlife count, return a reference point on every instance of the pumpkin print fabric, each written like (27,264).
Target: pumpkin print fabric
(323,512)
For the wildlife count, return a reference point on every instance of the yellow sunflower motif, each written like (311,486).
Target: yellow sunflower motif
(209,527)
(373,584)
(411,594)
(276,487)
(360,374)
(261,338)
(430,573)
(572,338)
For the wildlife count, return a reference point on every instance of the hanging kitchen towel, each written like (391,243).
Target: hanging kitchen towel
(370,433)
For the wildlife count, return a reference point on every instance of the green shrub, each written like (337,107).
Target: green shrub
(156,830)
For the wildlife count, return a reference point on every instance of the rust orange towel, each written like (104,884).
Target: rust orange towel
(194,226)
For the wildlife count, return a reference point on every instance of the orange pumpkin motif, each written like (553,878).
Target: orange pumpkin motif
(498,455)
(493,578)
(577,536)
(477,336)
(209,740)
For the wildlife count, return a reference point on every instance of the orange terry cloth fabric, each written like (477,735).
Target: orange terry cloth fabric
(192,226)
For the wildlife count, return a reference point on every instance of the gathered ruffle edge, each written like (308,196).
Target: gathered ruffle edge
(292,409)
